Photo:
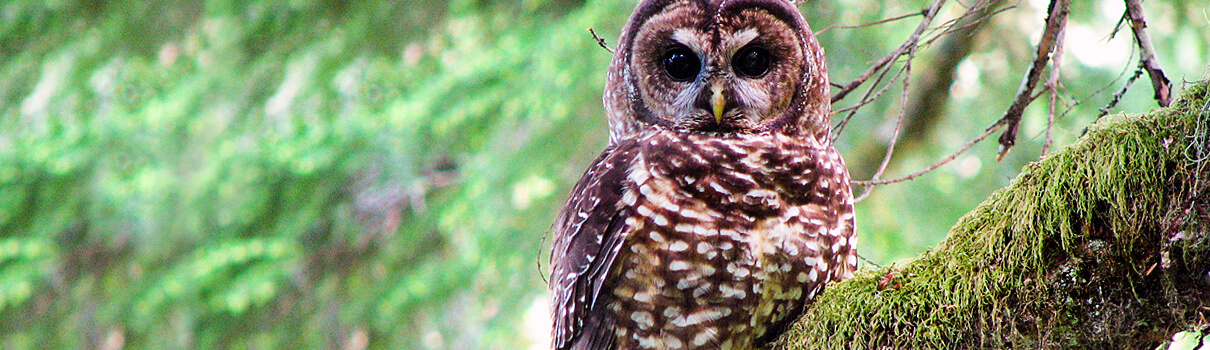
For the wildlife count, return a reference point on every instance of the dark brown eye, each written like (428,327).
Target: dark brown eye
(752,61)
(681,63)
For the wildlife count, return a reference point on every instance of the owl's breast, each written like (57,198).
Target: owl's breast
(727,237)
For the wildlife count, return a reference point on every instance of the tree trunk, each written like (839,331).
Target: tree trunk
(1104,244)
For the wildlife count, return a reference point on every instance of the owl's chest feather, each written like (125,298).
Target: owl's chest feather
(724,240)
(765,191)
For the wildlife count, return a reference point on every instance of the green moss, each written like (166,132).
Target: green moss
(1074,253)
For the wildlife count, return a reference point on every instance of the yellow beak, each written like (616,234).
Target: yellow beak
(717,102)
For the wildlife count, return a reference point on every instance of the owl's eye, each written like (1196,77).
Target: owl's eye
(752,61)
(681,63)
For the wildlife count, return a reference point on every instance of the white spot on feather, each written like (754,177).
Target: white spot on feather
(672,342)
(644,211)
(659,220)
(729,292)
(744,177)
(703,337)
(630,198)
(646,190)
(719,188)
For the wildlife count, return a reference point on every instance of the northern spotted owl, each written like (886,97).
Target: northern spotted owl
(719,209)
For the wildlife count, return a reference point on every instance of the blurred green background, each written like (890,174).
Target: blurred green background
(379,174)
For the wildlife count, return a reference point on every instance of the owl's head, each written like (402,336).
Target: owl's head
(738,66)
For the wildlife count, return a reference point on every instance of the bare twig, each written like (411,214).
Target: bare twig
(869,96)
(868,261)
(1055,21)
(1050,120)
(951,42)
(929,14)
(1117,96)
(973,16)
(600,41)
(978,13)
(991,129)
(1159,82)
(967,20)
(1052,85)
(890,149)
(1078,101)
(881,21)
(538,258)
(1117,27)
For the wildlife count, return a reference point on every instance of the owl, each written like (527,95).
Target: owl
(719,208)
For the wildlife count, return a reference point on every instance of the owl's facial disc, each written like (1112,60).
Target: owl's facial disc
(734,72)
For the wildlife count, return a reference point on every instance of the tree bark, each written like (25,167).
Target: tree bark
(1104,244)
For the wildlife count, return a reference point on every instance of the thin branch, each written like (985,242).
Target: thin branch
(881,21)
(1052,84)
(1077,102)
(946,28)
(600,41)
(977,14)
(538,258)
(869,96)
(882,68)
(953,24)
(991,129)
(1055,22)
(868,261)
(1117,27)
(1159,82)
(929,95)
(1117,96)
(890,149)
(1050,120)
(929,14)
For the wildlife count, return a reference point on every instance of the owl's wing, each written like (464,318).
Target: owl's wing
(587,238)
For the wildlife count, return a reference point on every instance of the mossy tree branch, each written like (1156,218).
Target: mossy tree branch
(1104,244)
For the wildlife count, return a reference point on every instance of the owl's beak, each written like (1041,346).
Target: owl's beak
(717,102)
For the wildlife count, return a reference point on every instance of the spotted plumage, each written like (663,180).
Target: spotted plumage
(719,208)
